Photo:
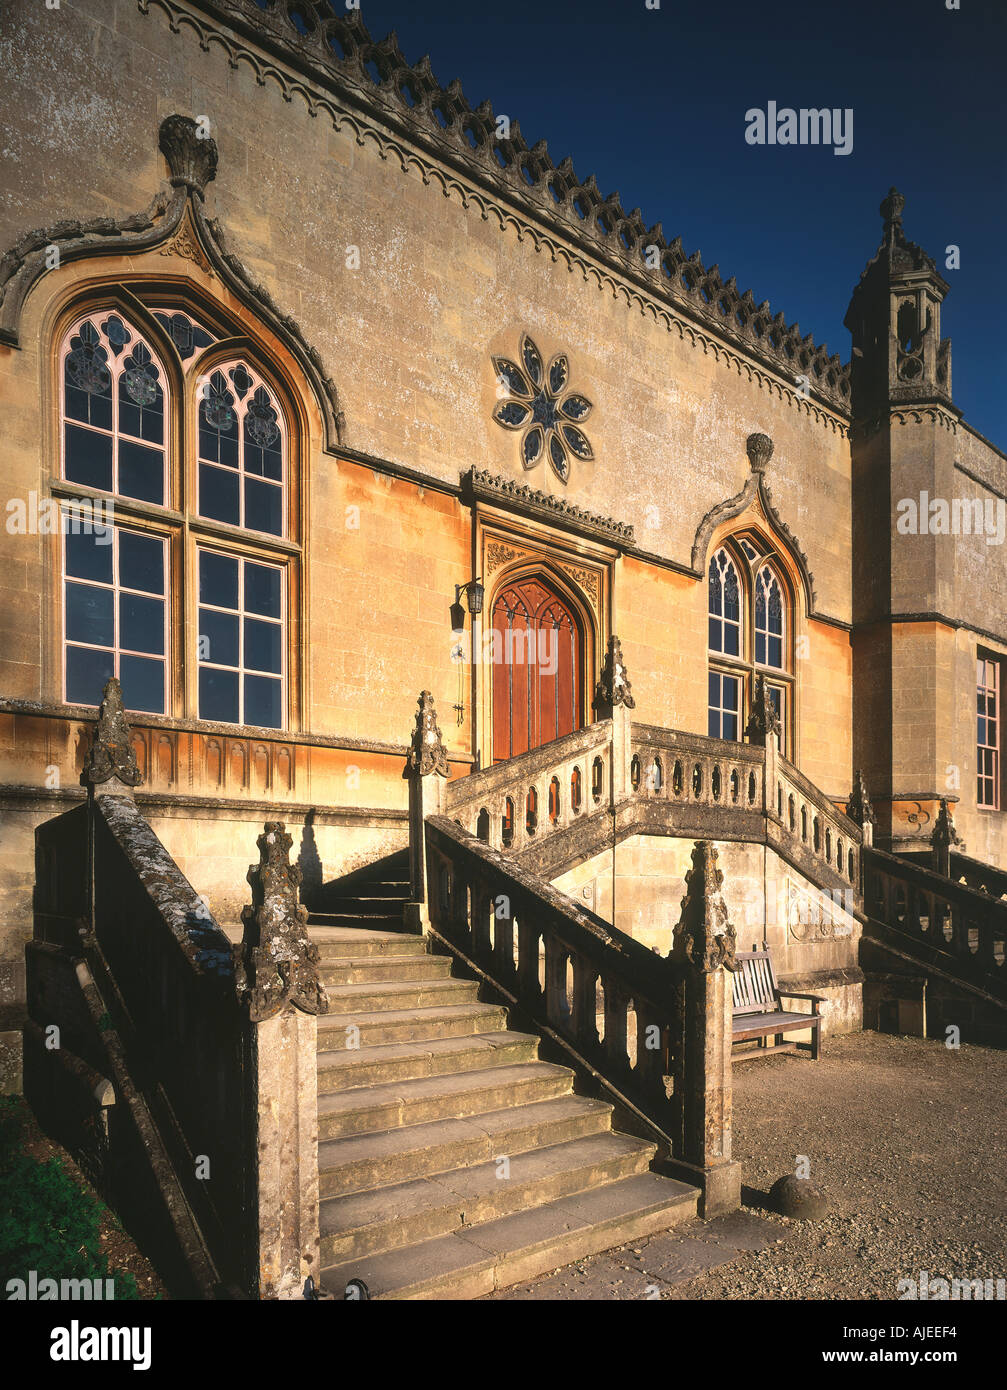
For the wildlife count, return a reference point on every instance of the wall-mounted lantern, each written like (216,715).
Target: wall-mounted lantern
(474,594)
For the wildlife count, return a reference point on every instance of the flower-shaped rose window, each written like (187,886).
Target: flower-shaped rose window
(539,404)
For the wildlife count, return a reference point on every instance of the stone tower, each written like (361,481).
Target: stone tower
(903,446)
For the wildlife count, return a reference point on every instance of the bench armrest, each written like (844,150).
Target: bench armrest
(815,998)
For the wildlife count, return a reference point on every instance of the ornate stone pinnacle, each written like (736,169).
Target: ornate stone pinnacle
(859,807)
(111,755)
(704,937)
(614,687)
(427,752)
(760,451)
(277,963)
(192,160)
(891,207)
(763,719)
(944,834)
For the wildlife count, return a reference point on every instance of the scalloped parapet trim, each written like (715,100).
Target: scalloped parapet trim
(374,75)
(492,487)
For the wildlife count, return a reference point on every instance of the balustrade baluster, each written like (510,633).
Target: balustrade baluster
(528,939)
(556,1006)
(616,1006)
(585,1004)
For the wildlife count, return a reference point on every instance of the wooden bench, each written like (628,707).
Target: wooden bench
(758,1011)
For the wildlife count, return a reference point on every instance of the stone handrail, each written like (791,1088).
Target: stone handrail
(960,928)
(555,958)
(515,804)
(984,878)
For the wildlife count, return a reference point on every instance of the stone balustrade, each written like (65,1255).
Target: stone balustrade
(958,928)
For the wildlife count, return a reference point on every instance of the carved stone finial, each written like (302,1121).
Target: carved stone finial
(427,752)
(891,207)
(944,834)
(277,963)
(192,159)
(704,937)
(859,807)
(614,687)
(760,451)
(763,719)
(111,753)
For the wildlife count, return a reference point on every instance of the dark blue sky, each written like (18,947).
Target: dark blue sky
(653,103)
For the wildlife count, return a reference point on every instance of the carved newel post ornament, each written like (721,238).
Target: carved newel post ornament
(277,978)
(942,837)
(427,770)
(859,808)
(111,763)
(703,948)
(278,963)
(613,699)
(764,721)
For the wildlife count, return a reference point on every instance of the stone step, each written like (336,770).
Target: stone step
(400,994)
(361,970)
(475,1260)
(408,1213)
(398,1155)
(439,1098)
(364,941)
(342,1069)
(382,899)
(384,921)
(411,1025)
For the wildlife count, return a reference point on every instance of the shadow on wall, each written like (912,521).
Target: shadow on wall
(310,864)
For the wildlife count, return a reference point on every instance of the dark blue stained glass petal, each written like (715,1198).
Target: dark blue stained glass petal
(531,446)
(575,407)
(532,359)
(559,373)
(577,441)
(511,376)
(512,414)
(557,457)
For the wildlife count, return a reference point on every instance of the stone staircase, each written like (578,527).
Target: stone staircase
(452,1161)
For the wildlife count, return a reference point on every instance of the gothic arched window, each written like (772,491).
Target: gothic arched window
(750,633)
(138,412)
(115,435)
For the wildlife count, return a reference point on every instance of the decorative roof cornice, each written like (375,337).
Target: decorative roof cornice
(373,76)
(478,484)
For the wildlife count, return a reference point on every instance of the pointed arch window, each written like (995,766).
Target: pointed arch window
(115,430)
(122,433)
(750,632)
(242,449)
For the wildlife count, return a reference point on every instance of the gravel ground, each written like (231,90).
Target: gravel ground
(907,1139)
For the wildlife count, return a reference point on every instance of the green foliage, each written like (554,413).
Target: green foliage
(48,1222)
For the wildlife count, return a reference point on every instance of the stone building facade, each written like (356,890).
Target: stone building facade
(333,351)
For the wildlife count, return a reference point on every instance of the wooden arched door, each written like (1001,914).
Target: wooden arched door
(538,649)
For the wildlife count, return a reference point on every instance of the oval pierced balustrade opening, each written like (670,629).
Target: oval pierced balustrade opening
(816,835)
(716,786)
(791,813)
(656,776)
(676,779)
(751,789)
(804,824)
(697,781)
(735,785)
(634,773)
(597,779)
(576,791)
(483,826)
(554,801)
(507,824)
(531,811)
